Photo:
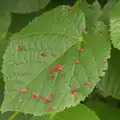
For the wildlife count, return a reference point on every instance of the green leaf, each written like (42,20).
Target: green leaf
(5,116)
(4,25)
(71,113)
(26,6)
(4,22)
(16,116)
(105,13)
(110,84)
(115,25)
(105,111)
(46,117)
(61,35)
(92,12)
(1,90)
(3,46)
(80,112)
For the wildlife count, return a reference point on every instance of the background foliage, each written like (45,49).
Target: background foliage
(59,59)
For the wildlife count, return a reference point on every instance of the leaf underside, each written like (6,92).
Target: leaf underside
(61,35)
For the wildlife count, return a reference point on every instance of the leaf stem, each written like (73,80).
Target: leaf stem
(13,116)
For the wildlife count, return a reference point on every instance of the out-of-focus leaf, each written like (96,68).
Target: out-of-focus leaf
(105,111)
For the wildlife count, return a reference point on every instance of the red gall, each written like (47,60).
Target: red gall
(46,99)
(59,67)
(50,109)
(75,99)
(52,95)
(105,62)
(74,90)
(35,96)
(77,61)
(80,49)
(42,54)
(23,90)
(87,83)
(69,9)
(21,48)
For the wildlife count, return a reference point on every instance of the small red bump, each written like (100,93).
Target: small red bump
(51,75)
(35,96)
(52,70)
(87,83)
(50,109)
(52,54)
(74,90)
(75,99)
(59,67)
(80,49)
(69,9)
(52,95)
(84,31)
(105,62)
(23,90)
(101,31)
(21,48)
(42,54)
(77,61)
(46,99)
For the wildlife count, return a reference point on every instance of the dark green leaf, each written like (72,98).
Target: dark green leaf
(80,112)
(4,22)
(110,84)
(26,6)
(105,111)
(115,25)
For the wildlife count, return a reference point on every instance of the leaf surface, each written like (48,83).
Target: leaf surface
(115,25)
(30,67)
(92,12)
(26,6)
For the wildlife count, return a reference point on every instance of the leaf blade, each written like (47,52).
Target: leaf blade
(115,25)
(26,6)
(110,83)
(28,69)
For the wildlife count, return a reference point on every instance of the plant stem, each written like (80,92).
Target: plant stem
(13,116)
